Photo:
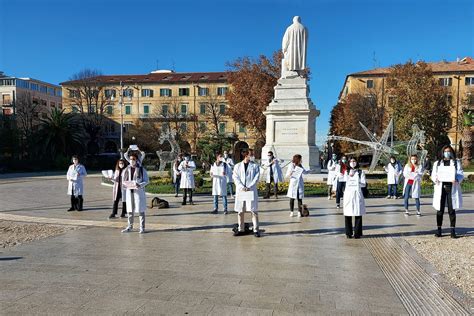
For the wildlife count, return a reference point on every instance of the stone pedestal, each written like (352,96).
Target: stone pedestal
(291,118)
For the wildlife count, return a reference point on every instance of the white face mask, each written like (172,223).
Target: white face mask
(252,158)
(353,164)
(121,165)
(75,162)
(392,161)
(133,163)
(413,161)
(225,156)
(186,158)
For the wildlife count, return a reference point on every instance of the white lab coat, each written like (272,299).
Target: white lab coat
(393,173)
(116,179)
(277,173)
(187,177)
(331,172)
(231,164)
(74,176)
(296,186)
(219,181)
(247,179)
(416,177)
(176,172)
(136,200)
(456,193)
(354,203)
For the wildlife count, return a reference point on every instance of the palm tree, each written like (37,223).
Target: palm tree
(60,134)
(468,130)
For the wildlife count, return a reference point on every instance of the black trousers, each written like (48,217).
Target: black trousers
(357,228)
(77,202)
(116,202)
(292,202)
(185,195)
(268,186)
(341,186)
(446,196)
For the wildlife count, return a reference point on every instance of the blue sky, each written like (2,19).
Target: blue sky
(51,40)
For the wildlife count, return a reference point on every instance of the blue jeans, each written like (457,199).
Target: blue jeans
(176,184)
(392,190)
(406,196)
(230,188)
(216,202)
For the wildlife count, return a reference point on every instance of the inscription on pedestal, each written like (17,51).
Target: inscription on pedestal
(290,132)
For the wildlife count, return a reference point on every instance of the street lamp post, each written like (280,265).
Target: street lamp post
(457,117)
(121,119)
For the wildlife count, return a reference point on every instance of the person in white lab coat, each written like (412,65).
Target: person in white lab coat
(393,170)
(186,168)
(135,178)
(447,192)
(295,172)
(354,203)
(75,175)
(412,172)
(331,166)
(273,174)
(230,182)
(246,174)
(219,173)
(119,191)
(340,173)
(177,174)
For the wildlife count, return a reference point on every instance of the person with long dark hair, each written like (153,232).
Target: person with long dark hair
(177,174)
(447,176)
(295,172)
(354,203)
(118,192)
(340,178)
(412,173)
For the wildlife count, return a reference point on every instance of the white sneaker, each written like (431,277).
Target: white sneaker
(299,214)
(407,212)
(292,214)
(142,231)
(329,197)
(418,213)
(127,230)
(389,197)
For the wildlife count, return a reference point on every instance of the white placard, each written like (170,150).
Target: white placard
(353,181)
(130,185)
(217,172)
(245,196)
(446,173)
(297,172)
(107,173)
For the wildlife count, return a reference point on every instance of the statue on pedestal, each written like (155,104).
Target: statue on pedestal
(294,49)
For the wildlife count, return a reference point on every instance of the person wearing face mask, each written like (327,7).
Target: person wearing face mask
(354,203)
(274,174)
(246,174)
(118,190)
(331,174)
(295,172)
(219,173)
(135,178)
(393,170)
(75,175)
(177,174)
(340,176)
(186,168)
(412,173)
(230,182)
(447,176)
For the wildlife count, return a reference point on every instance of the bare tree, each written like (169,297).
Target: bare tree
(87,93)
(214,107)
(28,109)
(172,118)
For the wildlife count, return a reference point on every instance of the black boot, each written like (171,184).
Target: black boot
(438,233)
(124,210)
(73,204)
(453,233)
(80,203)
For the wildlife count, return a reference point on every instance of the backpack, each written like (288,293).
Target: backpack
(365,190)
(304,210)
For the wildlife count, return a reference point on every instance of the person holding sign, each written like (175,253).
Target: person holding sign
(246,174)
(219,173)
(135,178)
(354,203)
(295,172)
(412,173)
(340,173)
(118,191)
(75,189)
(186,168)
(447,176)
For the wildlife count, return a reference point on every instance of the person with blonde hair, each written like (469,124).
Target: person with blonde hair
(412,172)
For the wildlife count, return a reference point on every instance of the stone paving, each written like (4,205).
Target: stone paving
(189,262)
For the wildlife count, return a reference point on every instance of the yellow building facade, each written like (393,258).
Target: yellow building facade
(457,77)
(195,102)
